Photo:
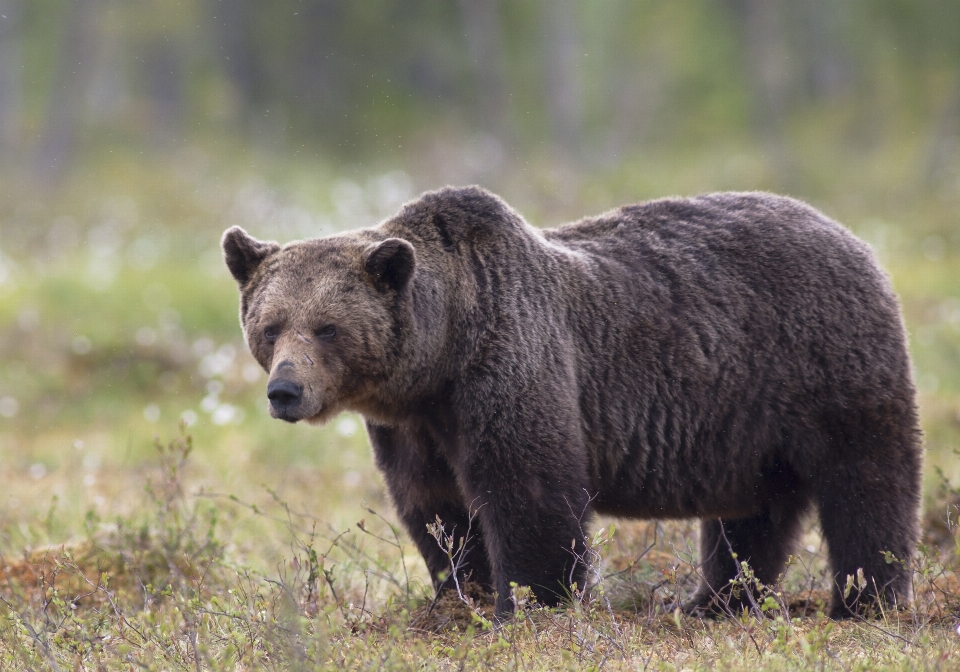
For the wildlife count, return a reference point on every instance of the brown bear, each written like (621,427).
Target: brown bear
(733,357)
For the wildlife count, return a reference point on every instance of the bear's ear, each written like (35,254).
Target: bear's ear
(243,253)
(390,263)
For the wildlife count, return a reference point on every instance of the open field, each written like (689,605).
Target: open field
(122,548)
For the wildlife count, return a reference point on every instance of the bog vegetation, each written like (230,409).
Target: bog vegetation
(152,516)
(155,517)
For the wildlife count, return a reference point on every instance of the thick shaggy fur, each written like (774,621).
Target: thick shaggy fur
(732,357)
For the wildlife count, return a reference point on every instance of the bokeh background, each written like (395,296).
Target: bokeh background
(132,132)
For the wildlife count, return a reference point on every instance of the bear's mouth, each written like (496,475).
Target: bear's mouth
(295,414)
(285,414)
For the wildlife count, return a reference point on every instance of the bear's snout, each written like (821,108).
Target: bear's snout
(284,396)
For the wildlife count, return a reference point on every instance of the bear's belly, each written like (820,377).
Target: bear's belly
(710,491)
(615,504)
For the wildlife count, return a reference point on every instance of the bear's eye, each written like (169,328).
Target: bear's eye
(271,334)
(327,332)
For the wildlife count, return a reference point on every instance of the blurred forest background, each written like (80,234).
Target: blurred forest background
(132,132)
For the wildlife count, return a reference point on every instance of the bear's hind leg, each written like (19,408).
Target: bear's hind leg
(763,541)
(866,513)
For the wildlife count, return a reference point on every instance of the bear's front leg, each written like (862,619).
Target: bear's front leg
(423,489)
(527,473)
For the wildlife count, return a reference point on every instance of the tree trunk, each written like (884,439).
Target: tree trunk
(233,27)
(164,73)
(943,153)
(561,50)
(65,105)
(10,93)
(767,66)
(481,19)
(827,63)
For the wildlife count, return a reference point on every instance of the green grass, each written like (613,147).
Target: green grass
(190,579)
(118,321)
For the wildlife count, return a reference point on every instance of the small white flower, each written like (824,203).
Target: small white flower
(346,426)
(9,407)
(209,403)
(81,344)
(146,336)
(251,372)
(224,414)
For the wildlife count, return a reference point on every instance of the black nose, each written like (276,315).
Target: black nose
(284,393)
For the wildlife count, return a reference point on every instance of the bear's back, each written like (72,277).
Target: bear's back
(753,250)
(723,225)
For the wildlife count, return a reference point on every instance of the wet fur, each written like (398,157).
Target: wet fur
(737,358)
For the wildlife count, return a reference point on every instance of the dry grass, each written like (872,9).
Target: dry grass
(167,592)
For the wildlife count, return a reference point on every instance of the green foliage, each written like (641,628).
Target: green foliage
(367,80)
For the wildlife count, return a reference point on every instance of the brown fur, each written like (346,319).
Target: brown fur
(733,357)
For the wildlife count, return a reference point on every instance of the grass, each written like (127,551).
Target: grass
(168,587)
(233,542)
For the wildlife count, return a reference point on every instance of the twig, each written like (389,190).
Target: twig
(456,558)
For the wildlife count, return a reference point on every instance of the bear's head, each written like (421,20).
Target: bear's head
(326,318)
(377,320)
